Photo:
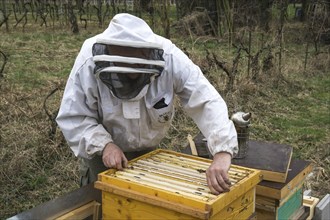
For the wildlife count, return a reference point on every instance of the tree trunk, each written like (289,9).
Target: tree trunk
(304,9)
(265,14)
(73,19)
(166,19)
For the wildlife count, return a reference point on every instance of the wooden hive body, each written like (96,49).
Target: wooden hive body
(169,185)
(268,208)
(283,200)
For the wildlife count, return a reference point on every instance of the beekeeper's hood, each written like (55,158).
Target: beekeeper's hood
(127,56)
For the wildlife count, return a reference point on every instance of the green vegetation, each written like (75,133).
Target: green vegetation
(290,107)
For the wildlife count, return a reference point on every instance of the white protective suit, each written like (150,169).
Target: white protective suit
(90,116)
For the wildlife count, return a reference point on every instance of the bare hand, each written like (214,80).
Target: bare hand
(113,157)
(217,173)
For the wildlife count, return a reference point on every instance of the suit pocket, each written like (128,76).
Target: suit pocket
(161,113)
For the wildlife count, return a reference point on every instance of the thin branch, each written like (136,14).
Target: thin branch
(5,59)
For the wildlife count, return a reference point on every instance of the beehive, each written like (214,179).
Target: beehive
(272,209)
(283,200)
(169,185)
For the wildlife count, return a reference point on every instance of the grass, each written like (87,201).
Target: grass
(307,119)
(37,166)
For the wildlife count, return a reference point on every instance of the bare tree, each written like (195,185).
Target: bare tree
(231,71)
(99,12)
(5,15)
(72,19)
(265,13)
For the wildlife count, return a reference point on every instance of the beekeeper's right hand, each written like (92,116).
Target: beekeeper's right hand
(113,157)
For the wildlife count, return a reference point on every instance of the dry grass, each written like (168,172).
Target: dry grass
(34,168)
(37,165)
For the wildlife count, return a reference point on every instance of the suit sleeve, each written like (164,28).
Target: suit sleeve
(203,104)
(78,116)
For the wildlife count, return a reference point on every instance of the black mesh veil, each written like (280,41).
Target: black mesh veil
(122,71)
(122,85)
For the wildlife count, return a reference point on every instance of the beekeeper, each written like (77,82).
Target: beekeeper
(119,101)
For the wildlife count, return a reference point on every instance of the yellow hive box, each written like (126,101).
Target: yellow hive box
(165,184)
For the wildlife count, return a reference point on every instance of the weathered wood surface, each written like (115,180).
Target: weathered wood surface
(298,171)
